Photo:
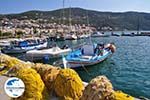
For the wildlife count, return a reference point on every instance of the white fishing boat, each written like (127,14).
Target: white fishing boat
(54,52)
(98,34)
(83,36)
(7,42)
(89,54)
(71,37)
(25,45)
(4,43)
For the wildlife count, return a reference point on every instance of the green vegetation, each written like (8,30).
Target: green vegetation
(117,21)
(5,34)
(19,34)
(9,34)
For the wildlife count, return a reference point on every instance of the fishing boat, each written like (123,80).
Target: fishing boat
(89,54)
(4,43)
(98,34)
(83,36)
(54,52)
(71,36)
(7,42)
(60,38)
(25,45)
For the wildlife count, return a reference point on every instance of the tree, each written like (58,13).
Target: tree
(19,33)
(6,34)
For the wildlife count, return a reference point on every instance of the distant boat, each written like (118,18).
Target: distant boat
(71,37)
(22,46)
(89,54)
(7,42)
(83,36)
(54,52)
(115,34)
(4,43)
(60,38)
(130,34)
(98,34)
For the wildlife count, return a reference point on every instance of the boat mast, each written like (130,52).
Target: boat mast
(69,17)
(88,25)
(63,12)
(70,24)
(138,25)
(87,18)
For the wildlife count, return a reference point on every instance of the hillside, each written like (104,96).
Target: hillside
(117,21)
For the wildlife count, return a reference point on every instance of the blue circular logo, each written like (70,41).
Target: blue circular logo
(14,87)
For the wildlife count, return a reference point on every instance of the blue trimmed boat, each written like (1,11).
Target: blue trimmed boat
(89,54)
(24,46)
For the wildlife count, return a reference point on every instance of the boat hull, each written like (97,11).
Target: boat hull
(35,55)
(77,64)
(13,51)
(23,49)
(99,35)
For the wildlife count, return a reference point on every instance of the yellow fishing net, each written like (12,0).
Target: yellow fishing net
(99,88)
(3,69)
(50,77)
(48,74)
(42,68)
(34,86)
(122,96)
(8,62)
(68,85)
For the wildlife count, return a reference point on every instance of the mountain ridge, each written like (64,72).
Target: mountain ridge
(74,8)
(129,20)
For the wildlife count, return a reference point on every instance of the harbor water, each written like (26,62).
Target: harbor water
(129,67)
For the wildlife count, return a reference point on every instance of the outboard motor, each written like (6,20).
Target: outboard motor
(111,46)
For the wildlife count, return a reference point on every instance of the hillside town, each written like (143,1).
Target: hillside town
(39,26)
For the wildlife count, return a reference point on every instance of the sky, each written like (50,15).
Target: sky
(18,6)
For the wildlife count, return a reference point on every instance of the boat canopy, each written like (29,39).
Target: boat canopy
(88,50)
(23,43)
